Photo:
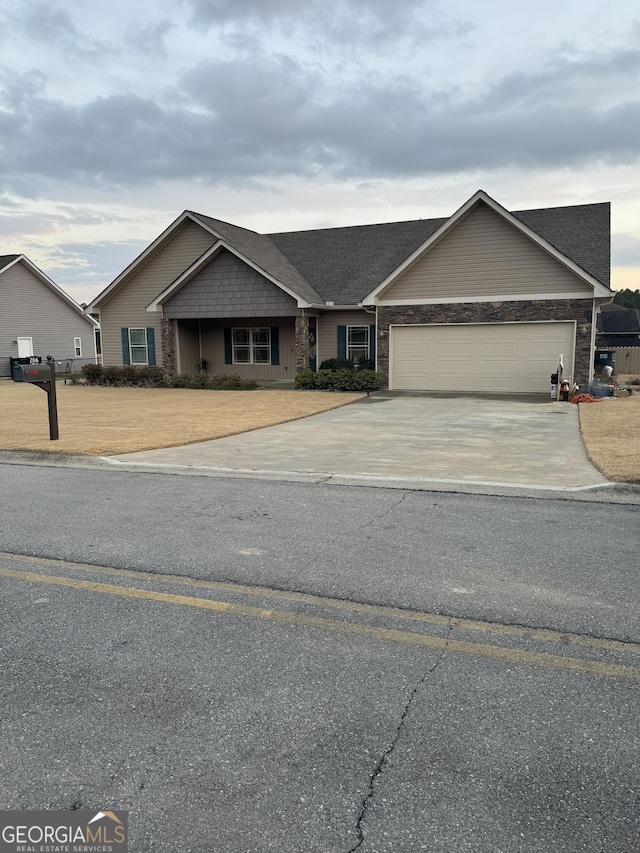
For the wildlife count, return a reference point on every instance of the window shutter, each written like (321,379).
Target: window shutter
(151,345)
(275,345)
(228,350)
(372,344)
(342,342)
(125,346)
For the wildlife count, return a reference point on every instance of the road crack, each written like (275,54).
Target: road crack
(386,755)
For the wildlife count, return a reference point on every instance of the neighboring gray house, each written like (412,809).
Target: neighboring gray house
(482,301)
(38,318)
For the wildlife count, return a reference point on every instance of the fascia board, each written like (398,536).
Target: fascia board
(202,260)
(502,297)
(103,297)
(599,288)
(44,278)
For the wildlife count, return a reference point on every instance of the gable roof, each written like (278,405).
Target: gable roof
(350,265)
(7,261)
(618,320)
(555,226)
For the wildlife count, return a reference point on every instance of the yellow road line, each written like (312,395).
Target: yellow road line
(500,653)
(338,604)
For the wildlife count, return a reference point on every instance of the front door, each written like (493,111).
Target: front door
(25,347)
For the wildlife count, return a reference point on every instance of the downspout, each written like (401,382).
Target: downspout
(374,311)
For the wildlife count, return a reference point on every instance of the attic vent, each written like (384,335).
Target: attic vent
(329,303)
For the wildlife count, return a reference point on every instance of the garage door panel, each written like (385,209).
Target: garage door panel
(492,358)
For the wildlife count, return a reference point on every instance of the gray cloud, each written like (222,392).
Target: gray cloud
(52,26)
(228,121)
(91,264)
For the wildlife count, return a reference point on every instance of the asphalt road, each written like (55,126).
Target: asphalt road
(257,666)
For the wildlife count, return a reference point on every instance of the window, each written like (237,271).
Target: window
(138,346)
(251,346)
(357,343)
(77,347)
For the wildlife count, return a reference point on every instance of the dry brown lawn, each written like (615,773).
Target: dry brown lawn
(109,421)
(611,435)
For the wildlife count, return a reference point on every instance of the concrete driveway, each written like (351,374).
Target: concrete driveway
(418,437)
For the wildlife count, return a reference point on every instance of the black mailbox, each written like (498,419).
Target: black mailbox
(32,373)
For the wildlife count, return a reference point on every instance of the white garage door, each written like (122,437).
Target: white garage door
(495,358)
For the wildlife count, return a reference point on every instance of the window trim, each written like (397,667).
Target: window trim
(349,347)
(251,345)
(133,346)
(77,347)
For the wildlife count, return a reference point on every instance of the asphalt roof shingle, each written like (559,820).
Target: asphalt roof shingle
(343,265)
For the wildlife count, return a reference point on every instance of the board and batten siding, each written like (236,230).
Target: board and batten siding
(205,339)
(126,308)
(30,309)
(228,287)
(484,255)
(327,330)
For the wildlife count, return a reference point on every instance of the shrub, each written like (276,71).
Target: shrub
(335,364)
(92,373)
(366,380)
(305,380)
(365,364)
(343,379)
(324,380)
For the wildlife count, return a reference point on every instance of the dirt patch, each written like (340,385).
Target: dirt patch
(110,421)
(611,435)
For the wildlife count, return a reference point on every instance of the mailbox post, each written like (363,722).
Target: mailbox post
(44,376)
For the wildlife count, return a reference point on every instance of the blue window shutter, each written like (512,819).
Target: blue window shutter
(151,345)
(372,343)
(125,346)
(342,342)
(228,350)
(275,345)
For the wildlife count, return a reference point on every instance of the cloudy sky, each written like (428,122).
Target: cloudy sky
(287,114)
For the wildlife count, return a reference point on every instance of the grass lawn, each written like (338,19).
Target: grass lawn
(611,435)
(109,421)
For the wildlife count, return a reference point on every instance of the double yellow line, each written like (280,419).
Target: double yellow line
(490,651)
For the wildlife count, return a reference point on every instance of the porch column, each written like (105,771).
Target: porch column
(169,355)
(302,343)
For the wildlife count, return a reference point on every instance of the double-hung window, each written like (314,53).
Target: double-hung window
(357,343)
(77,347)
(251,346)
(138,350)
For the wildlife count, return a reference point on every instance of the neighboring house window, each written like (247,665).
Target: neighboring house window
(251,346)
(357,343)
(138,346)
(77,347)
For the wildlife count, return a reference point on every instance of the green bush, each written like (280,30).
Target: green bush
(92,373)
(344,379)
(324,380)
(366,380)
(335,364)
(305,381)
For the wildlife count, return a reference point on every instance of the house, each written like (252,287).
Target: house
(38,318)
(618,326)
(484,300)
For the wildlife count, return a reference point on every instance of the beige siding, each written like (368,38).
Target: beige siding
(212,332)
(327,330)
(126,308)
(483,255)
(480,357)
(188,343)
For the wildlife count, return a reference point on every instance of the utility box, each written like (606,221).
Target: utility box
(32,373)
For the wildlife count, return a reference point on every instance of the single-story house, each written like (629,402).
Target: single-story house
(482,301)
(38,318)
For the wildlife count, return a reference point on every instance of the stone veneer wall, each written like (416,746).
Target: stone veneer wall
(169,354)
(302,343)
(492,312)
